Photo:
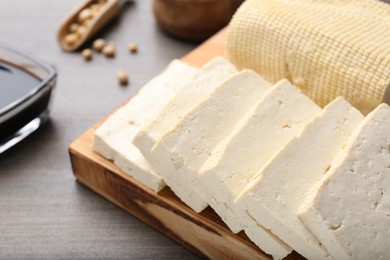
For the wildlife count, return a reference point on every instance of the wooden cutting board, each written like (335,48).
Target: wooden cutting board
(205,234)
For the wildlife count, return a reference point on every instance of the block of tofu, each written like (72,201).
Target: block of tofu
(263,132)
(113,139)
(273,196)
(349,210)
(199,87)
(181,152)
(319,45)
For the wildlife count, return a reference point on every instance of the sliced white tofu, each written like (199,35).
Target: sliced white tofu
(275,119)
(349,210)
(199,87)
(113,139)
(192,93)
(273,197)
(130,160)
(181,152)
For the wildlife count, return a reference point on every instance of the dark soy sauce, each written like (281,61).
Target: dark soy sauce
(15,84)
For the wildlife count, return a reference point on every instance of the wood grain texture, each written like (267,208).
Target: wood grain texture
(204,234)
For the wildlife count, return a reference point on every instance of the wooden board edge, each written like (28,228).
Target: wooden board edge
(95,185)
(199,233)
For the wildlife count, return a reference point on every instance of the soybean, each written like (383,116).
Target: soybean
(122,77)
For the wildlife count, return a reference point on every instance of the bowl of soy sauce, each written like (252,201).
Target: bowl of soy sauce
(26,86)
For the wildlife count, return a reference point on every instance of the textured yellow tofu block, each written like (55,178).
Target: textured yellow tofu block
(326,48)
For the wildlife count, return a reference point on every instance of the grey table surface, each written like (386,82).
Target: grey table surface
(44,212)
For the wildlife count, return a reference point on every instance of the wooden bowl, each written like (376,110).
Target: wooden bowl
(194,20)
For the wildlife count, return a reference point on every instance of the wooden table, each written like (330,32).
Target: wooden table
(44,213)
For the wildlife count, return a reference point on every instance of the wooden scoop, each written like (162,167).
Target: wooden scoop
(104,11)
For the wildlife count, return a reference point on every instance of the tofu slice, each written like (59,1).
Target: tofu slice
(181,152)
(113,139)
(273,197)
(197,89)
(273,121)
(348,210)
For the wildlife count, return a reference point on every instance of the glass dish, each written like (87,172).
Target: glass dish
(23,107)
